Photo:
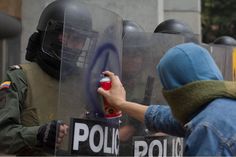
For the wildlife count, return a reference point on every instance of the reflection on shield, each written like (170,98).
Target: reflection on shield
(86,53)
(140,58)
(223,56)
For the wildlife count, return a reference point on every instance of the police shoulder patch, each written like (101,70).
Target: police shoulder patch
(5,85)
(14,67)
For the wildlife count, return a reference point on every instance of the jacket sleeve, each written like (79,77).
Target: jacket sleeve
(14,136)
(159,118)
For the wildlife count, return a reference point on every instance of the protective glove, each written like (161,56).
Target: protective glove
(47,134)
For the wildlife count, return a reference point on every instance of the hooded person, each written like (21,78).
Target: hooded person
(201,104)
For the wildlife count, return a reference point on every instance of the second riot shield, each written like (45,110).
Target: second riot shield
(141,54)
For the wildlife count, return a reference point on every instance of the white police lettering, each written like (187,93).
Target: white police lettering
(94,129)
(80,137)
(116,140)
(158,146)
(97,138)
(140,148)
(107,149)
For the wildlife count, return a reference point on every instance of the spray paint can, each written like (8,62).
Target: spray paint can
(110,111)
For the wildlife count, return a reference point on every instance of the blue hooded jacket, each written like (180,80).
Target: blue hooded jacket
(212,131)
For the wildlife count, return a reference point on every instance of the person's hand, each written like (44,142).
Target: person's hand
(62,132)
(48,135)
(116,96)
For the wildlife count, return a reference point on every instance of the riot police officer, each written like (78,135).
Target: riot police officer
(173,26)
(132,60)
(29,95)
(225,40)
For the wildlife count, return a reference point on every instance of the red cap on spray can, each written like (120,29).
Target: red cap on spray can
(110,111)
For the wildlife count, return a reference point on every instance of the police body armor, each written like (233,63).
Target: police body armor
(42,96)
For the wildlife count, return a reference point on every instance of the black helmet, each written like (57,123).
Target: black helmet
(131,34)
(78,16)
(225,40)
(61,24)
(130,26)
(173,26)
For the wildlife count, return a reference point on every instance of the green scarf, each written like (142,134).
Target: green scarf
(187,100)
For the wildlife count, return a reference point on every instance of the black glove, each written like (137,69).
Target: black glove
(47,134)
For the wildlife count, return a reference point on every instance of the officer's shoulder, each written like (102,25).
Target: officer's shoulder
(15,72)
(14,67)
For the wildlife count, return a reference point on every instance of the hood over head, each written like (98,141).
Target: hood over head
(186,63)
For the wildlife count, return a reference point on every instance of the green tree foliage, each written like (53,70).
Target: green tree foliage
(218,19)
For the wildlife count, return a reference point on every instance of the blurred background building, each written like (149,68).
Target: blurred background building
(147,13)
(208,19)
(10,33)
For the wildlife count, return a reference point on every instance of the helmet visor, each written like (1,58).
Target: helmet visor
(74,43)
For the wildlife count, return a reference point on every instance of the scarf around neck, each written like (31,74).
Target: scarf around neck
(189,99)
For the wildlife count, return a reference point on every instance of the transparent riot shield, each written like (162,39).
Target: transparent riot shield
(91,44)
(141,54)
(223,56)
(140,58)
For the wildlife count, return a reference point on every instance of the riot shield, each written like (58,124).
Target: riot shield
(223,56)
(141,54)
(90,46)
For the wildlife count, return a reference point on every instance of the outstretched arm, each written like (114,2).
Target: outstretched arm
(157,117)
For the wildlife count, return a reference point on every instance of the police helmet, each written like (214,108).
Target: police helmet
(225,40)
(131,26)
(132,34)
(64,25)
(173,26)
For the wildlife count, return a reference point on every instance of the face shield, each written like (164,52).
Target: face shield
(74,43)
